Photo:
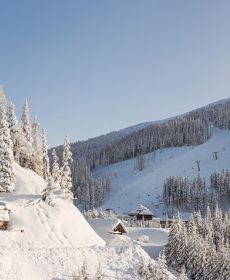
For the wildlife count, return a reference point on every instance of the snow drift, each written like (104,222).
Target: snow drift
(35,223)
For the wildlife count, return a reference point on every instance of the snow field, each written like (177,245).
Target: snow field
(131,187)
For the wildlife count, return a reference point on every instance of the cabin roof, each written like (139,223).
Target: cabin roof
(141,210)
(104,227)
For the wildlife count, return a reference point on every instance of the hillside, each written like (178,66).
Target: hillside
(43,225)
(131,187)
(44,242)
(188,130)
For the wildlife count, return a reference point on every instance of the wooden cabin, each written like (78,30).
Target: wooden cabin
(105,228)
(119,228)
(168,223)
(142,213)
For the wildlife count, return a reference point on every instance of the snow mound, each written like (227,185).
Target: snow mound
(36,224)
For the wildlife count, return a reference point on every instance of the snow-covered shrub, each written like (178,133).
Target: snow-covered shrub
(143,238)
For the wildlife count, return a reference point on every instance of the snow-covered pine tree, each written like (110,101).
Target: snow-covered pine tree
(26,123)
(7,172)
(182,254)
(15,130)
(183,275)
(151,271)
(161,268)
(45,158)
(99,273)
(201,259)
(47,194)
(66,180)
(174,242)
(37,149)
(142,268)
(26,151)
(211,263)
(84,272)
(55,168)
(224,263)
(140,162)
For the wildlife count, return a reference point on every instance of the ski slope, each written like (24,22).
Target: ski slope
(131,187)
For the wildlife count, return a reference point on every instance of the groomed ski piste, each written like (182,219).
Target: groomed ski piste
(131,187)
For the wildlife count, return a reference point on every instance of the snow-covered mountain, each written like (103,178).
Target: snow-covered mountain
(131,187)
(188,130)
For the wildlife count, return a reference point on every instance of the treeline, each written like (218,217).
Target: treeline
(202,246)
(192,195)
(91,192)
(191,129)
(173,133)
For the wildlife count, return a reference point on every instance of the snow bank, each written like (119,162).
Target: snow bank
(65,263)
(37,224)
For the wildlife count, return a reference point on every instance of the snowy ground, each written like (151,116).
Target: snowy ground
(42,224)
(64,263)
(131,187)
(51,243)
(157,237)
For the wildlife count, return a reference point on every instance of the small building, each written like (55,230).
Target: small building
(4,217)
(166,223)
(142,213)
(105,228)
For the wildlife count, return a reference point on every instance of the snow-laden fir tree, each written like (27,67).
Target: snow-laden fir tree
(15,131)
(161,272)
(26,123)
(7,172)
(47,194)
(208,249)
(99,273)
(66,180)
(45,157)
(84,272)
(142,268)
(183,275)
(174,242)
(55,168)
(157,270)
(37,149)
(26,151)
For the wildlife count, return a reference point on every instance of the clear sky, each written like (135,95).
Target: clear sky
(89,67)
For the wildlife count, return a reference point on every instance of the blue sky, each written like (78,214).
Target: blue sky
(89,67)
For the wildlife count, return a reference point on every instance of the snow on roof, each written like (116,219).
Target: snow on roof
(141,210)
(104,227)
